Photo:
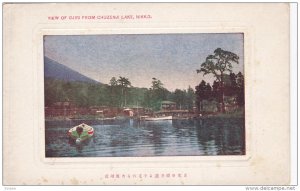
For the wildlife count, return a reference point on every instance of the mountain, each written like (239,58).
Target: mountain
(53,69)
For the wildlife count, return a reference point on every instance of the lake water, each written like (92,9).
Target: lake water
(130,138)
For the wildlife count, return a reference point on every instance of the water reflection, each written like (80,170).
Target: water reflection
(220,137)
(211,136)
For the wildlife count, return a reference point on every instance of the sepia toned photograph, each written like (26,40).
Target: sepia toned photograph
(144,95)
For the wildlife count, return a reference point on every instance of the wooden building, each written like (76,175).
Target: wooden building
(168,105)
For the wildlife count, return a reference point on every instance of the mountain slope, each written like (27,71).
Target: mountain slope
(53,69)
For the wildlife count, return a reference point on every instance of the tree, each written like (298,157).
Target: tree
(156,94)
(124,83)
(180,98)
(113,82)
(219,64)
(216,91)
(203,92)
(231,88)
(240,89)
(233,82)
(156,84)
(190,98)
(114,90)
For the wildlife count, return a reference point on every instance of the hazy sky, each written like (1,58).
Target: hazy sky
(171,58)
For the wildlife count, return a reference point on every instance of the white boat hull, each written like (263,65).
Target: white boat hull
(158,118)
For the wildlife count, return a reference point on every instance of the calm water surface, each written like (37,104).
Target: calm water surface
(129,138)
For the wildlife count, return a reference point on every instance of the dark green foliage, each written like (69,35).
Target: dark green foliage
(219,64)
(155,95)
(119,93)
(82,94)
(184,98)
(233,87)
(203,92)
(123,84)
(240,89)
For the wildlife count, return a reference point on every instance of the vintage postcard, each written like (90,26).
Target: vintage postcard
(132,95)
(144,95)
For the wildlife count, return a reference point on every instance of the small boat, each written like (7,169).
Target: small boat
(158,118)
(81,132)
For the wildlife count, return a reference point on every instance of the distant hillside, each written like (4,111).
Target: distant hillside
(53,69)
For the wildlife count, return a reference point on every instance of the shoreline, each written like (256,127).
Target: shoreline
(238,114)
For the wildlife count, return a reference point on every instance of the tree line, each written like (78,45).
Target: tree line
(118,93)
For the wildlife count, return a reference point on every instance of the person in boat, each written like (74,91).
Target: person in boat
(79,131)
